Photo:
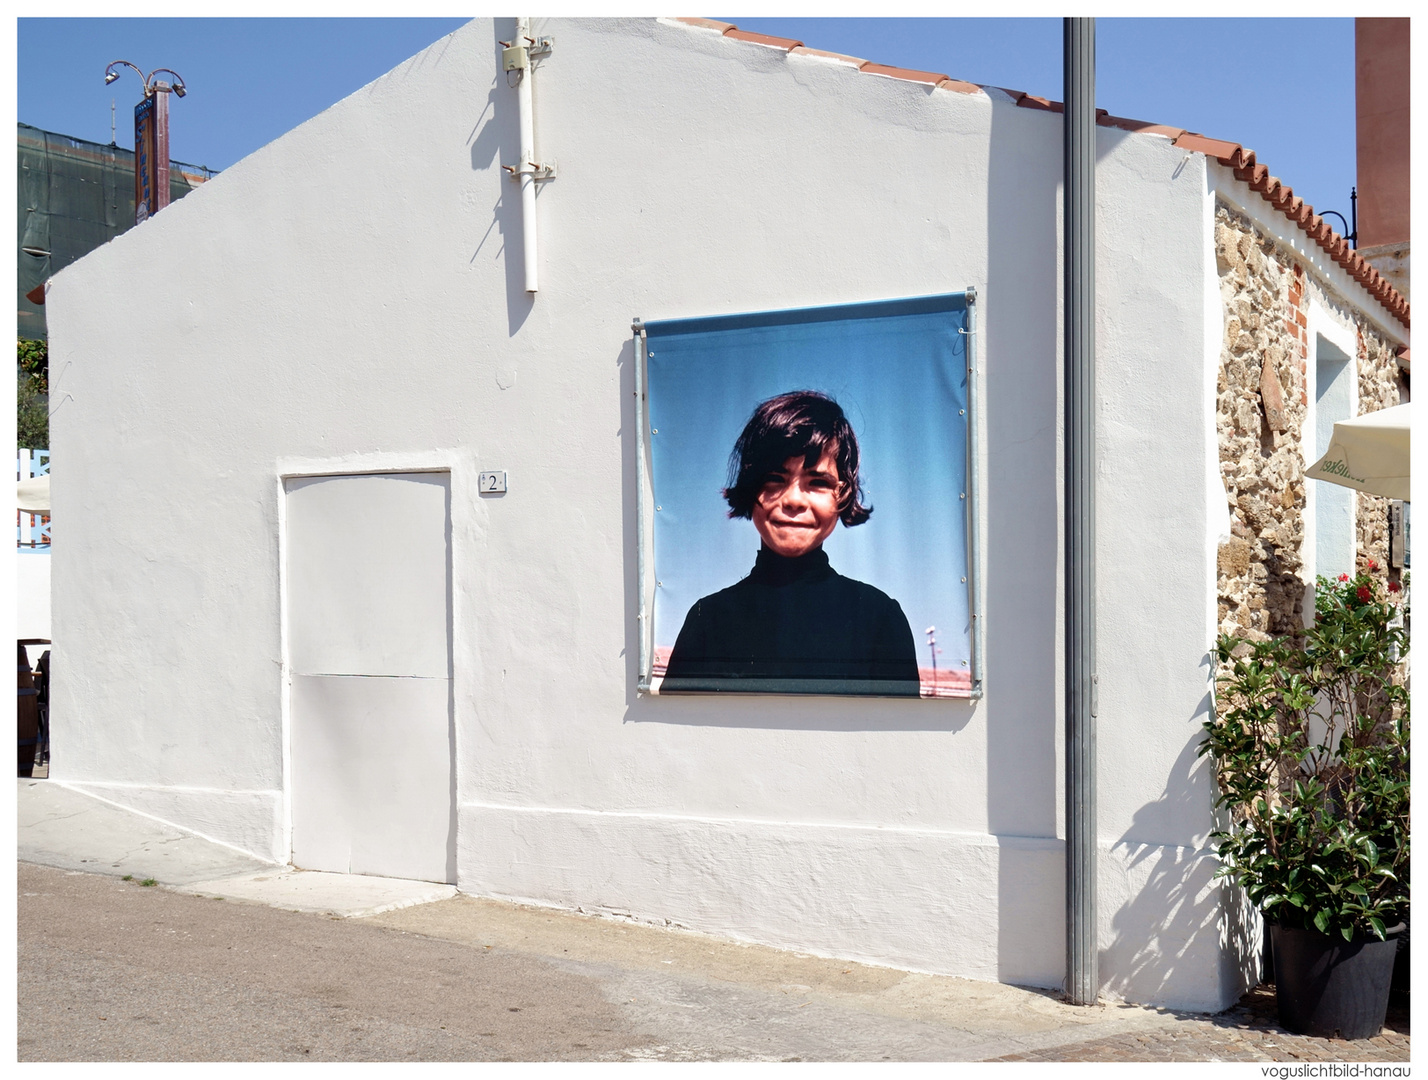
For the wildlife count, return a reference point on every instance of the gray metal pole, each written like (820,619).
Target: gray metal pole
(1079,360)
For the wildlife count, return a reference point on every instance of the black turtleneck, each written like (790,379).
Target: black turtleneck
(795,626)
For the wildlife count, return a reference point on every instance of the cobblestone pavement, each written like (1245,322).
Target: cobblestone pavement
(1248,1032)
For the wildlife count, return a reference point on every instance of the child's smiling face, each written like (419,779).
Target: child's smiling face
(797,507)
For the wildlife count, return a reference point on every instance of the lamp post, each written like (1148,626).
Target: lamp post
(151,138)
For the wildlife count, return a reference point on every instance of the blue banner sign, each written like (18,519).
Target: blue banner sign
(809,500)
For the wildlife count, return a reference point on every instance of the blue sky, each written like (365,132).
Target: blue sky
(1283,87)
(901,379)
(249,80)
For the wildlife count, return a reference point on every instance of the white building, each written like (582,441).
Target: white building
(348,303)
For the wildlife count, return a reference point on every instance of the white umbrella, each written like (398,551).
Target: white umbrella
(35,495)
(1369,453)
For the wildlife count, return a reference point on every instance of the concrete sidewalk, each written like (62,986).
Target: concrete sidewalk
(70,830)
(687,996)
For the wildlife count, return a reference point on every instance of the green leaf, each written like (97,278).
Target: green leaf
(1321,921)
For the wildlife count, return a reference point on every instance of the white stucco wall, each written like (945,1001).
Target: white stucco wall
(346,302)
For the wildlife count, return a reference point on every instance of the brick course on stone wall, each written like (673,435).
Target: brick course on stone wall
(1261,405)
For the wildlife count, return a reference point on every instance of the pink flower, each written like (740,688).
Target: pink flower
(1394,586)
(1343,577)
(1373,565)
(1364,593)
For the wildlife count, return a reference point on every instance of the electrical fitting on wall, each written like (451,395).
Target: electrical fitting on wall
(517,55)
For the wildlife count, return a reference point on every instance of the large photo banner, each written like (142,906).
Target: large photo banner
(809,499)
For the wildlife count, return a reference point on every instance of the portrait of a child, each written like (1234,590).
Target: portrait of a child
(794,618)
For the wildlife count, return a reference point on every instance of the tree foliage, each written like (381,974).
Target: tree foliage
(34,362)
(32,387)
(32,422)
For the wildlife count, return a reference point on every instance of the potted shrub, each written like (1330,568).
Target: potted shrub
(1310,744)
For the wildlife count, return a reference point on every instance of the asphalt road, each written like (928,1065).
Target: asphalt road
(111,970)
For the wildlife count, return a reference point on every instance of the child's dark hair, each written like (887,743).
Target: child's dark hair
(801,422)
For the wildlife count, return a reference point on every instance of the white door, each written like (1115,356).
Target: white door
(368,605)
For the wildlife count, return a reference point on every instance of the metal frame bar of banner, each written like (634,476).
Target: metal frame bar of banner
(974,499)
(645,623)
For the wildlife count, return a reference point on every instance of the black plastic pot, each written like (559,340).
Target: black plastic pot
(1398,992)
(1328,987)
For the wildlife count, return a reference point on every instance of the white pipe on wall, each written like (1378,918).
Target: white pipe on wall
(526,166)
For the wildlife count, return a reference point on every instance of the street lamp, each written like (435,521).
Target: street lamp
(1351,231)
(151,137)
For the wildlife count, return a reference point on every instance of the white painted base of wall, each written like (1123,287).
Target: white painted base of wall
(32,596)
(250,821)
(970,905)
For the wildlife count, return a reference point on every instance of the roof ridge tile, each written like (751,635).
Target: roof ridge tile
(804,50)
(1140,127)
(1031,101)
(786,44)
(1216,148)
(960,87)
(908,74)
(708,24)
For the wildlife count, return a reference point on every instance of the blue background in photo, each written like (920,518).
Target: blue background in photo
(898,368)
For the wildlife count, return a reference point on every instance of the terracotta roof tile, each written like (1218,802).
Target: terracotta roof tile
(909,74)
(804,50)
(1031,101)
(762,39)
(1141,127)
(960,87)
(1243,163)
(708,24)
(1215,148)
(1254,175)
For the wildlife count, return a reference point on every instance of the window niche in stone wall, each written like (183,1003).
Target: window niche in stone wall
(1334,532)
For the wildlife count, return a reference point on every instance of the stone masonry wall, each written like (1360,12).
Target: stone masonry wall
(1378,389)
(1261,404)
